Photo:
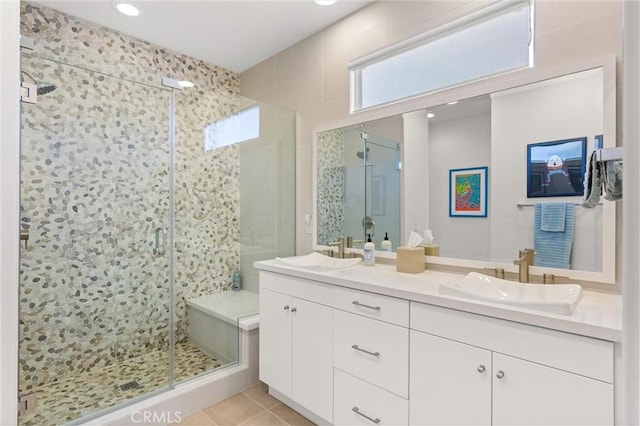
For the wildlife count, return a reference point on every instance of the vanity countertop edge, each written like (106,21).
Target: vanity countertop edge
(597,315)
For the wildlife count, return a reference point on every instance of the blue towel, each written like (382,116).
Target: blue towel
(553,217)
(553,249)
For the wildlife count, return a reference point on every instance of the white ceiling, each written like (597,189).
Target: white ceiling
(234,34)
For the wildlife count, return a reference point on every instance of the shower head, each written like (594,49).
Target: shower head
(42,88)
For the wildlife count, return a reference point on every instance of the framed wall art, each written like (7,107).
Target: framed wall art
(468,192)
(556,168)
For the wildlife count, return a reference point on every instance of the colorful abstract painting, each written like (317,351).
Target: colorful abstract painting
(468,192)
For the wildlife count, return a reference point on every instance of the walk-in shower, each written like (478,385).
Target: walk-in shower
(125,217)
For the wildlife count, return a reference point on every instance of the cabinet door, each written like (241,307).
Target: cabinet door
(275,340)
(525,393)
(312,367)
(450,382)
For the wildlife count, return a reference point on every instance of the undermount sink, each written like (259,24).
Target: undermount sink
(318,262)
(553,298)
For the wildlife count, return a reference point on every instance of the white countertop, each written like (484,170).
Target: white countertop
(597,314)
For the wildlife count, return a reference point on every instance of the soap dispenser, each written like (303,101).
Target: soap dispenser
(385,245)
(369,255)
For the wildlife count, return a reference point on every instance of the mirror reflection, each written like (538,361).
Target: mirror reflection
(359,171)
(359,185)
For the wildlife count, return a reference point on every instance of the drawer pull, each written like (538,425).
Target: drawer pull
(500,374)
(481,368)
(358,348)
(286,307)
(357,411)
(375,308)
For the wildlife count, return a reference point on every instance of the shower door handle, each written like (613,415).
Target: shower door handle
(160,250)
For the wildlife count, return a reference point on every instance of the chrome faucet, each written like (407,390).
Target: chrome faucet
(340,245)
(524,260)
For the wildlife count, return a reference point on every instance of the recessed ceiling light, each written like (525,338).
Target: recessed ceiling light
(127,8)
(186,84)
(430,115)
(324,2)
(452,103)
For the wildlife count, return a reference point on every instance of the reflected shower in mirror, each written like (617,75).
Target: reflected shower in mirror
(358,184)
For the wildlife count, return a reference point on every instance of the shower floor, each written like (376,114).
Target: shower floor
(79,395)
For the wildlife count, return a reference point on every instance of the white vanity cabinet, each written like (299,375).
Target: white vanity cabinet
(470,369)
(296,341)
(349,356)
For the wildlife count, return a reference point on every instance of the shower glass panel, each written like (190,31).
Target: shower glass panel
(95,269)
(234,205)
(354,162)
(267,192)
(382,187)
(371,187)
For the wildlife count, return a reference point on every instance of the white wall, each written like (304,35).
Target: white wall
(9,207)
(569,108)
(628,377)
(457,144)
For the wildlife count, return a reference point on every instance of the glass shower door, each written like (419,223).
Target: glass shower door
(94,264)
(382,187)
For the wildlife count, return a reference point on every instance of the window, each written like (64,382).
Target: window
(240,127)
(494,40)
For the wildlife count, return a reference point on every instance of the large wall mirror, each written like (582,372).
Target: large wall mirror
(394,175)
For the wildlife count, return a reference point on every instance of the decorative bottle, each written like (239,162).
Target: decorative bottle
(385,245)
(369,255)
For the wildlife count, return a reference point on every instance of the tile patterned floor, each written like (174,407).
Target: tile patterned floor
(253,407)
(76,396)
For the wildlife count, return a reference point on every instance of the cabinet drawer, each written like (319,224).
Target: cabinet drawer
(372,350)
(297,287)
(384,308)
(570,352)
(354,399)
